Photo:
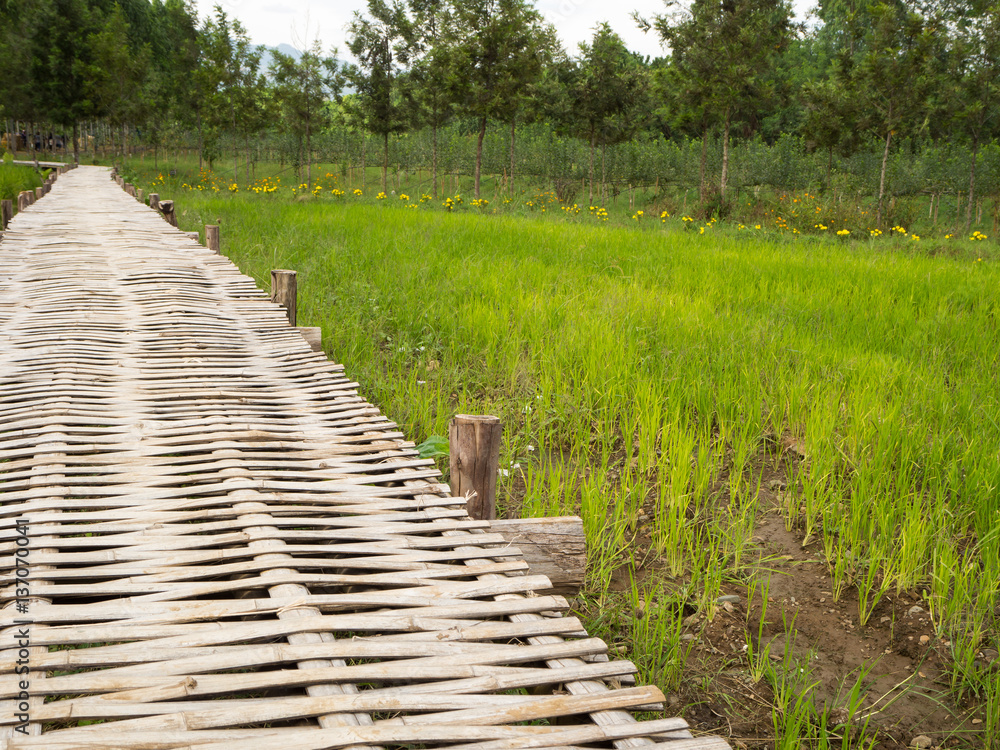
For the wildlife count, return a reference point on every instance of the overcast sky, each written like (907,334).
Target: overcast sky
(297,22)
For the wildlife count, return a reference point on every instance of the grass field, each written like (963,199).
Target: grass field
(784,450)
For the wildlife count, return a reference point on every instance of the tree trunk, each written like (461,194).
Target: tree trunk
(701,167)
(364,165)
(972,185)
(512,156)
(881,182)
(593,144)
(76,144)
(201,146)
(479,153)
(725,159)
(31,145)
(434,158)
(829,167)
(309,165)
(604,167)
(385,160)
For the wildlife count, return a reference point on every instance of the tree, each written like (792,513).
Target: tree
(884,68)
(430,32)
(603,88)
(61,59)
(498,49)
(379,44)
(302,89)
(230,79)
(116,73)
(722,55)
(828,117)
(174,60)
(972,93)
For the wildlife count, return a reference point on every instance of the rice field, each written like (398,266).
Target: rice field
(786,453)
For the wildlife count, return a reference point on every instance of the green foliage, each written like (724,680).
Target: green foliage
(433,447)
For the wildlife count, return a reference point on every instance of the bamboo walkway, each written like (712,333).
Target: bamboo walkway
(209,539)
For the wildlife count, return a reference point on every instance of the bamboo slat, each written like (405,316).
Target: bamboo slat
(228,547)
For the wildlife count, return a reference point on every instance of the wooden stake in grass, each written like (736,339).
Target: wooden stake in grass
(212,238)
(6,213)
(284,289)
(154,201)
(167,209)
(39,192)
(474,446)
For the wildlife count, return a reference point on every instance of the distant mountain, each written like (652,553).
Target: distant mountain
(266,54)
(287,49)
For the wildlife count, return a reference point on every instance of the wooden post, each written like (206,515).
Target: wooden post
(39,192)
(140,194)
(6,213)
(167,209)
(212,238)
(22,201)
(284,291)
(474,445)
(154,201)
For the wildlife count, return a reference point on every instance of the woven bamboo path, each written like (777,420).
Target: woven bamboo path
(227,547)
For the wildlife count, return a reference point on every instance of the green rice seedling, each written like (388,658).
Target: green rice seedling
(792,685)
(756,653)
(669,524)
(991,709)
(737,530)
(673,496)
(606,533)
(656,630)
(875,580)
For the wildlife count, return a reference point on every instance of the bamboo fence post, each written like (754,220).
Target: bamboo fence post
(212,238)
(169,212)
(474,447)
(6,213)
(284,290)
